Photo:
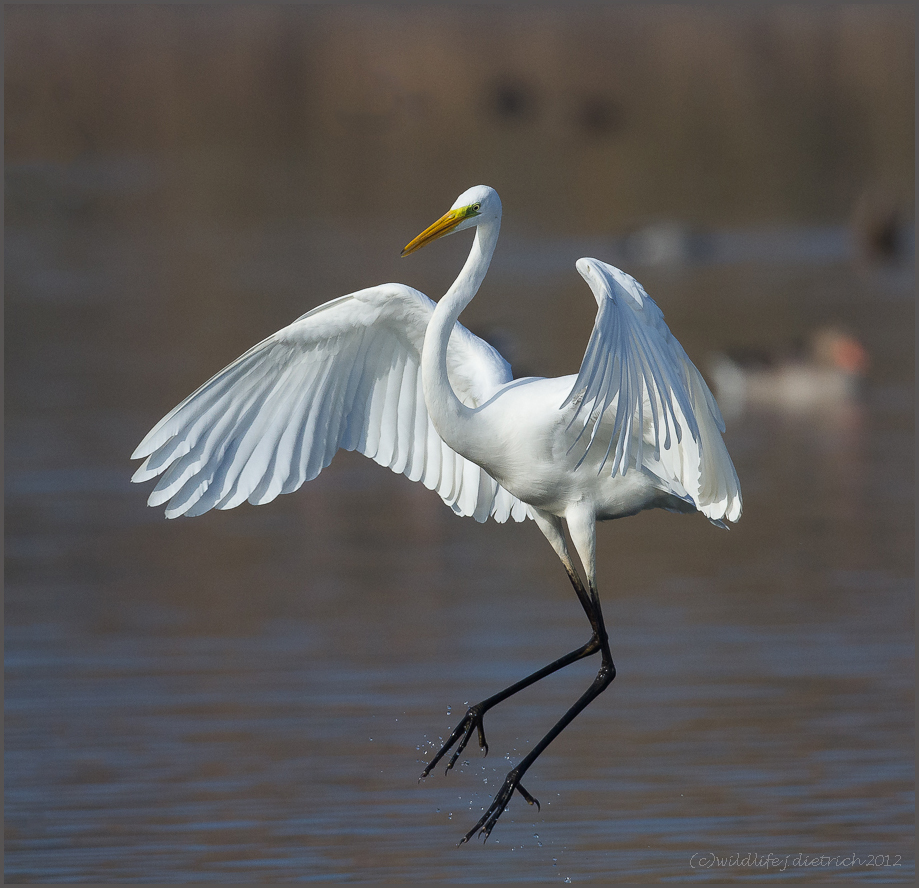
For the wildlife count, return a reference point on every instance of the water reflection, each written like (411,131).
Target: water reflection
(251,695)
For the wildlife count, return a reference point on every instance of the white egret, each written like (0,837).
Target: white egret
(388,373)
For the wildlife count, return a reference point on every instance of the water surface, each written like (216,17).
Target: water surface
(251,695)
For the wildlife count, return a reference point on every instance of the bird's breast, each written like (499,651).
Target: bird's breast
(530,446)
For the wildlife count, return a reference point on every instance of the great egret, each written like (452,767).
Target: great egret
(386,372)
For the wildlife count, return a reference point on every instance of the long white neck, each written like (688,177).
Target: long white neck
(452,418)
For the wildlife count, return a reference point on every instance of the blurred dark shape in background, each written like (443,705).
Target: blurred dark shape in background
(512,100)
(628,115)
(599,115)
(880,228)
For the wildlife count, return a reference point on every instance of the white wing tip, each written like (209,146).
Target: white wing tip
(143,449)
(155,438)
(723,510)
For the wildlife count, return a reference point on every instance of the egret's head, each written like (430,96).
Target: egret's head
(473,207)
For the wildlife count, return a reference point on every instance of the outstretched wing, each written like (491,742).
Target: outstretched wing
(645,403)
(345,375)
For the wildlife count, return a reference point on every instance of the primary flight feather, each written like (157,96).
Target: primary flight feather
(345,375)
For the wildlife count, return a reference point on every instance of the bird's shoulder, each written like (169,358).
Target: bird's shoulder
(398,315)
(397,306)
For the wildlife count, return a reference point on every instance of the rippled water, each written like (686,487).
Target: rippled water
(251,695)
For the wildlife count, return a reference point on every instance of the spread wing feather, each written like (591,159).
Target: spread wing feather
(640,397)
(345,375)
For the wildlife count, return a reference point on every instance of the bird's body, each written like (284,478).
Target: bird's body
(388,373)
(526,446)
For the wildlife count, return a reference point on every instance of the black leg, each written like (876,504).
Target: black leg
(512,782)
(473,720)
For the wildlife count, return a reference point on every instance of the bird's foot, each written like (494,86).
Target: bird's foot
(472,721)
(497,806)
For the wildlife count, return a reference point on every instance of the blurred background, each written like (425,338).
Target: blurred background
(251,695)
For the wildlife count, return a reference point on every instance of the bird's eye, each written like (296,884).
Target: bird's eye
(476,207)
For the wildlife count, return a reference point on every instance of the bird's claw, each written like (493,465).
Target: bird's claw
(496,808)
(473,721)
(462,732)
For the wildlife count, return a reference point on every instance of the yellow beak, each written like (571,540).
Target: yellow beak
(444,225)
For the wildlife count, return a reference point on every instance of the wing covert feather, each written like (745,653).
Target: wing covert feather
(346,375)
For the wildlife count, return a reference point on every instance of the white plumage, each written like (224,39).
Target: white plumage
(658,413)
(388,373)
(346,375)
